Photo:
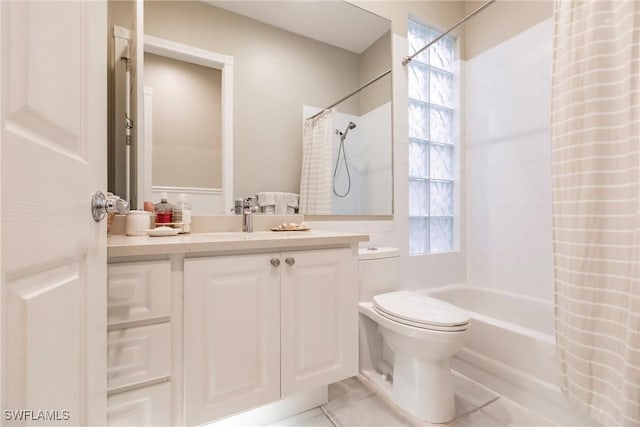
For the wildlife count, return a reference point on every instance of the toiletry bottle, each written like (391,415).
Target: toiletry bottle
(182,214)
(164,211)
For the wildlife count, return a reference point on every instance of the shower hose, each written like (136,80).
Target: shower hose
(346,166)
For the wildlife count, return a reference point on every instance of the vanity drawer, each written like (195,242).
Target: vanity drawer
(138,354)
(147,406)
(138,291)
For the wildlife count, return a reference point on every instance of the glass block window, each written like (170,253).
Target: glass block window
(431,142)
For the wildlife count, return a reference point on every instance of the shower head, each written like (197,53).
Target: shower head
(350,126)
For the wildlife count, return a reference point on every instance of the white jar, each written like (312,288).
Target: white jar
(138,222)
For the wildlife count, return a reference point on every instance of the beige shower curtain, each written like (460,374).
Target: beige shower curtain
(596,205)
(316,179)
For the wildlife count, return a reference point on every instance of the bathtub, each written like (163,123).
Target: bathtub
(510,349)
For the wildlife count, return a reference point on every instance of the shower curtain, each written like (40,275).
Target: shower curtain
(316,178)
(596,205)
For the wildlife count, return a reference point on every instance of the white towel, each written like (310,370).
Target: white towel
(282,201)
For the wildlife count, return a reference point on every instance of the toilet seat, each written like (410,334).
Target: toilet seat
(421,312)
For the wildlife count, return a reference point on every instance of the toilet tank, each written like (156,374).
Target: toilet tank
(378,272)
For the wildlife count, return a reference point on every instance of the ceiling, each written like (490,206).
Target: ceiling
(337,23)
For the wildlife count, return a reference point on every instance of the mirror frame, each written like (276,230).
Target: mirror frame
(224,63)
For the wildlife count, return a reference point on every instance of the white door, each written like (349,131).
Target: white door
(53,259)
(231,335)
(319,299)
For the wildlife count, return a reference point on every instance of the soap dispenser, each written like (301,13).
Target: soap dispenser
(182,214)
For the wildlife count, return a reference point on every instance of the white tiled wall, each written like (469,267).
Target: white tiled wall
(508,95)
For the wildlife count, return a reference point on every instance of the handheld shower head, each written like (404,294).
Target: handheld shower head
(350,126)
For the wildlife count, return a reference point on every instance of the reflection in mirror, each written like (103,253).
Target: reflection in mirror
(346,168)
(188,115)
(185,125)
(291,59)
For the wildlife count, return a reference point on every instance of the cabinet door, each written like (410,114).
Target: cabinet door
(231,335)
(138,291)
(319,318)
(146,406)
(138,354)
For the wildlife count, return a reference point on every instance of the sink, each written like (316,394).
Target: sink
(256,235)
(230,236)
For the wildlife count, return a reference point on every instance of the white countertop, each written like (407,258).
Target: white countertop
(120,245)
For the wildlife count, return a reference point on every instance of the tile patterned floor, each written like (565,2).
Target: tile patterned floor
(353,404)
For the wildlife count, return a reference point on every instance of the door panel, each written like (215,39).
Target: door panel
(32,311)
(53,255)
(41,50)
(232,335)
(319,319)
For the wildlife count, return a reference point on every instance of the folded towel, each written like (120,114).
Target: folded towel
(266,198)
(280,200)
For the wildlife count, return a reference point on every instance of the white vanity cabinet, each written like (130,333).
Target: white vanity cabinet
(261,327)
(228,324)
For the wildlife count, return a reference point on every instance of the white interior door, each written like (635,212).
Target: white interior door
(53,260)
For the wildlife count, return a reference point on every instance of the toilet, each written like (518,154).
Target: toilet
(407,338)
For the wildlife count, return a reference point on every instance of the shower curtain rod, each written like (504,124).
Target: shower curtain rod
(369,83)
(409,58)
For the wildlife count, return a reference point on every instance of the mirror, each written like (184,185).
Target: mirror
(290,60)
(188,120)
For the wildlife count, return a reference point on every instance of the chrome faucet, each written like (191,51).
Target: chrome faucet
(247,217)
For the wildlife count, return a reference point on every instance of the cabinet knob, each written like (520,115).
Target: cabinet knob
(290,261)
(275,262)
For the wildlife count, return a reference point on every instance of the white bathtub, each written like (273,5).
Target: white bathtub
(511,349)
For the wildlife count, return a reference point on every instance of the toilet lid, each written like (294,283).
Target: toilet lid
(422,312)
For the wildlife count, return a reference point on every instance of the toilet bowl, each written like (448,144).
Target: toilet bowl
(422,333)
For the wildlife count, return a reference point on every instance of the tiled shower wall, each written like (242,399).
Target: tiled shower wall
(508,95)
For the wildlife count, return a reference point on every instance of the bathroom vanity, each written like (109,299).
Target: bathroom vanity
(207,325)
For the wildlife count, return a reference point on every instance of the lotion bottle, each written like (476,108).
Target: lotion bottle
(182,214)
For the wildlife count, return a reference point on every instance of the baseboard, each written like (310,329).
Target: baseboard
(275,411)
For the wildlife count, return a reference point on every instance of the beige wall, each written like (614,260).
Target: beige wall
(186,122)
(373,62)
(501,21)
(275,74)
